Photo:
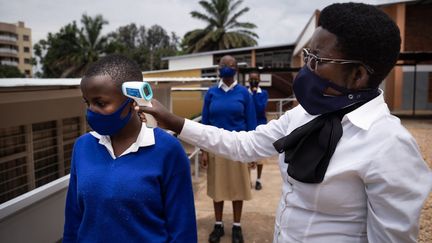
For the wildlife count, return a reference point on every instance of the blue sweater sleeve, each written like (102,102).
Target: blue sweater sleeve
(178,198)
(73,213)
(261,101)
(205,111)
(251,120)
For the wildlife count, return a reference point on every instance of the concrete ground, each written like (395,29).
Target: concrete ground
(258,213)
(422,132)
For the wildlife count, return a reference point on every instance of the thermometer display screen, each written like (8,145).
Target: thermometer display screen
(133,92)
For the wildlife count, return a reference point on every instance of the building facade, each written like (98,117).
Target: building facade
(16,47)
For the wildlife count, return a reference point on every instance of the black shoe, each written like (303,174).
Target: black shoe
(216,234)
(258,185)
(237,236)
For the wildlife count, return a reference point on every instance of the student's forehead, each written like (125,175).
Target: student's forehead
(227,60)
(101,83)
(323,42)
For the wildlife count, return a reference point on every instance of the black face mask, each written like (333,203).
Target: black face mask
(309,90)
(253,83)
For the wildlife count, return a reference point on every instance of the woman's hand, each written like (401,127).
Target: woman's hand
(164,117)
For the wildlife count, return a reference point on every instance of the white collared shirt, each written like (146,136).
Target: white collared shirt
(374,187)
(225,87)
(259,90)
(145,138)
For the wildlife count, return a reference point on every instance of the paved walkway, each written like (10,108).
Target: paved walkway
(258,213)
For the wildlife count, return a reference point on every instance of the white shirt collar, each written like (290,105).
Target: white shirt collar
(365,115)
(225,87)
(145,138)
(258,90)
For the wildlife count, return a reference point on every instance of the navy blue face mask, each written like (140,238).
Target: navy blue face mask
(226,72)
(309,90)
(109,124)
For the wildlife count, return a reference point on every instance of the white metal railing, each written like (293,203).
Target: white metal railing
(280,104)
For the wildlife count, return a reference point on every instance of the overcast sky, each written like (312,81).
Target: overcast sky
(278,21)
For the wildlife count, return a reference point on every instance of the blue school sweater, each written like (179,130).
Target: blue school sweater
(233,110)
(260,99)
(144,196)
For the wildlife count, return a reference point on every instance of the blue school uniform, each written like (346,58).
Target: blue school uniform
(260,98)
(232,110)
(144,195)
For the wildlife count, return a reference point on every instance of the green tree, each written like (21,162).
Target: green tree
(145,46)
(10,72)
(70,51)
(223,30)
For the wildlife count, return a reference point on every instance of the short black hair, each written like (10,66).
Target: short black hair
(120,68)
(254,71)
(364,33)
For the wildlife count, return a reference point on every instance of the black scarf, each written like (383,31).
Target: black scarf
(309,148)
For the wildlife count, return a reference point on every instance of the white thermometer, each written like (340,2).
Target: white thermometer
(142,93)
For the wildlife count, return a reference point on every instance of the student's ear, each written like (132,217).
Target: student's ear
(360,78)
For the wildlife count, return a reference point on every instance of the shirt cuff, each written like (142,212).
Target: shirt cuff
(191,132)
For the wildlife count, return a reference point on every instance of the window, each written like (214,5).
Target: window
(27,60)
(35,154)
(26,38)
(45,152)
(430,88)
(27,72)
(13,166)
(26,49)
(71,130)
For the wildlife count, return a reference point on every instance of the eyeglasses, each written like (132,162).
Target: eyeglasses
(313,60)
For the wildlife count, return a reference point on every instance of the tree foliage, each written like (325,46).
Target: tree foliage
(10,72)
(223,30)
(145,46)
(69,52)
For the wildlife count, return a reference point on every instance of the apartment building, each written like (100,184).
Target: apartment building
(16,47)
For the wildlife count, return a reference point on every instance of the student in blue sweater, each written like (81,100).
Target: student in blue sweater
(260,98)
(228,105)
(128,183)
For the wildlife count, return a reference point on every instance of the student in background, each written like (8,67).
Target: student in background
(260,98)
(128,183)
(228,105)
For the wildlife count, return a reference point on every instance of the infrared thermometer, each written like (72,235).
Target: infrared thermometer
(142,93)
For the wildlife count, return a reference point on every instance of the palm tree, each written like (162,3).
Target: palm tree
(223,31)
(91,44)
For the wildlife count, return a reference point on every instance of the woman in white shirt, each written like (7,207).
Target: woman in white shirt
(351,171)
